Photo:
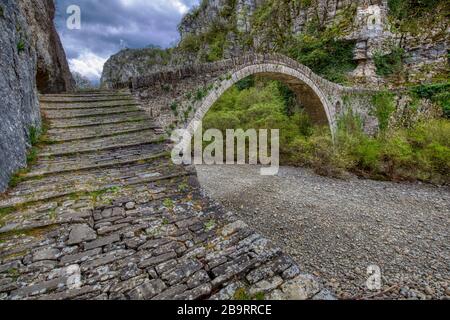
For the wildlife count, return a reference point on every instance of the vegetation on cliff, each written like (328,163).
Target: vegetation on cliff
(412,15)
(319,46)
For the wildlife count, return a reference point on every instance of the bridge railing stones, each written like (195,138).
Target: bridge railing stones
(173,74)
(216,74)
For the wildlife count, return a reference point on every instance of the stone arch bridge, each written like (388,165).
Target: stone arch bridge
(190,91)
(104,214)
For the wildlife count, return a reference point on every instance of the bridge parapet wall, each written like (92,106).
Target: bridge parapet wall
(171,86)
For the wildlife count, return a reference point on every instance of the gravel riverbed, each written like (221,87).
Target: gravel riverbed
(336,229)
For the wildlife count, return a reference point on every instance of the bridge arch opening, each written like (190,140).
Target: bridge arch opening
(308,94)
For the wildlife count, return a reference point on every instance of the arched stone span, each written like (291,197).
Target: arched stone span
(316,103)
(192,89)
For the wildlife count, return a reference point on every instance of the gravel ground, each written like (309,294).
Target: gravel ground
(336,229)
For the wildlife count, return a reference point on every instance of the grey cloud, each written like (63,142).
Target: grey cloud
(105,23)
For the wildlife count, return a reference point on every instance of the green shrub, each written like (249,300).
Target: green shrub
(388,64)
(414,16)
(367,154)
(200,94)
(21,46)
(191,43)
(245,83)
(421,152)
(384,107)
(409,9)
(437,92)
(397,156)
(34,135)
(329,57)
(174,106)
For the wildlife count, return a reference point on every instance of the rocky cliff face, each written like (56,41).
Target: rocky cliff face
(129,63)
(81,82)
(226,28)
(31,58)
(369,34)
(53,73)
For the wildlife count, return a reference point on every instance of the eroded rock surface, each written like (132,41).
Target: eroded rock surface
(31,59)
(53,74)
(19,103)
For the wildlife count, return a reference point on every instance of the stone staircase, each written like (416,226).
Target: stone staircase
(104,214)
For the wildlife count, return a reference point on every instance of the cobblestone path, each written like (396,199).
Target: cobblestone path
(104,214)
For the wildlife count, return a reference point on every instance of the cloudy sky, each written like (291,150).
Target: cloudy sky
(109,25)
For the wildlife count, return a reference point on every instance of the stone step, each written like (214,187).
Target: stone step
(60,185)
(96,144)
(100,120)
(88,93)
(100,159)
(84,98)
(88,105)
(77,106)
(100,131)
(77,208)
(83,113)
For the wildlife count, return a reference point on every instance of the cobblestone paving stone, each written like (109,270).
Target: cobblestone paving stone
(98,105)
(84,112)
(70,134)
(100,120)
(122,222)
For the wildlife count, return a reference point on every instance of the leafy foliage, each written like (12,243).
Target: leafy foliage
(411,16)
(409,9)
(391,63)
(21,46)
(421,152)
(328,57)
(384,107)
(438,93)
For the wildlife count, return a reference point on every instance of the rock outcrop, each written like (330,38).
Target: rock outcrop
(31,59)
(267,26)
(53,73)
(81,82)
(19,108)
(221,29)
(133,62)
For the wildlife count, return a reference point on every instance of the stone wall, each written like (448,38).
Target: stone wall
(31,60)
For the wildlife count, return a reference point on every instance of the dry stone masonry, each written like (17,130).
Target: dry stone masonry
(104,214)
(181,94)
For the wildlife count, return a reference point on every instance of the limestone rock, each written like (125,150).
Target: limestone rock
(302,287)
(53,74)
(132,62)
(20,109)
(34,60)
(81,233)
